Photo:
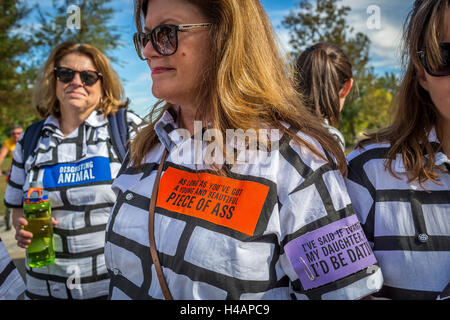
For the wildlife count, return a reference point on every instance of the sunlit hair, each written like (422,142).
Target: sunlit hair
(321,72)
(246,84)
(14,127)
(416,114)
(44,96)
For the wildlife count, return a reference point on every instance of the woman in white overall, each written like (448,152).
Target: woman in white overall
(399,179)
(75,93)
(206,218)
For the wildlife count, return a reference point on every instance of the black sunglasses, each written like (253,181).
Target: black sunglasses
(66,75)
(164,38)
(444,67)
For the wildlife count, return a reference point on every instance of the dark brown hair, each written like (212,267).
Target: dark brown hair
(416,114)
(246,85)
(321,72)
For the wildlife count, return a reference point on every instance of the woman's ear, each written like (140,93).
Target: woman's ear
(346,89)
(422,78)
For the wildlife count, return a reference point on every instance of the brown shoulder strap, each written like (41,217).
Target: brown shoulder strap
(151,234)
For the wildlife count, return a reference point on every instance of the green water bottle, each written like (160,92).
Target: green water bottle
(37,211)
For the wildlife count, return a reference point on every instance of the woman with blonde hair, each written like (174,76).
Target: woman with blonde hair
(234,189)
(77,93)
(399,179)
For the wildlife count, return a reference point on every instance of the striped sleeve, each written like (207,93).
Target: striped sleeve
(326,253)
(11,283)
(135,123)
(14,193)
(406,222)
(362,193)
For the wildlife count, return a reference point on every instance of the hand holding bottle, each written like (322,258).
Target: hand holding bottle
(34,231)
(23,236)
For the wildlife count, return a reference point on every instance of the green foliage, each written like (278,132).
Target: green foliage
(371,109)
(324,21)
(11,45)
(368,105)
(95,27)
(23,50)
(15,76)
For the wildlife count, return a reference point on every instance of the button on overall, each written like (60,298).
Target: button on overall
(422,237)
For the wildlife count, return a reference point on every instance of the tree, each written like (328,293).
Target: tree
(23,50)
(82,21)
(15,76)
(371,109)
(390,82)
(325,21)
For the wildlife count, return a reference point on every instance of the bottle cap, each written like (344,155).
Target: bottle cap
(36,193)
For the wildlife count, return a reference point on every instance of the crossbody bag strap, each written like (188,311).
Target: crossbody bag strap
(151,233)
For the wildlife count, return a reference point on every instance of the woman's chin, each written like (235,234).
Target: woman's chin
(76,104)
(161,93)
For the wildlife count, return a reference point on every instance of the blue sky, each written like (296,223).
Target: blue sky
(384,50)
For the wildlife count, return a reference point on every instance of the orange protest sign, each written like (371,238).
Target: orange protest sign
(228,202)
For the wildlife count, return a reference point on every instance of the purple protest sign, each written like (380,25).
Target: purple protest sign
(330,253)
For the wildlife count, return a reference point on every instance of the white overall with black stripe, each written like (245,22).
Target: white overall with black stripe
(407,224)
(11,283)
(78,171)
(210,254)
(336,134)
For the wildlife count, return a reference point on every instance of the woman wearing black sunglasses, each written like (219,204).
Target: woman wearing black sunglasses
(256,225)
(399,179)
(76,159)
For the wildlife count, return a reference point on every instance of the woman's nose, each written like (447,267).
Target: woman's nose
(150,52)
(77,79)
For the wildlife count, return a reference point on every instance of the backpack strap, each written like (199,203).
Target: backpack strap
(119,132)
(30,138)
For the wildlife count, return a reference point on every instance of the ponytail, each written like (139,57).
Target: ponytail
(321,72)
